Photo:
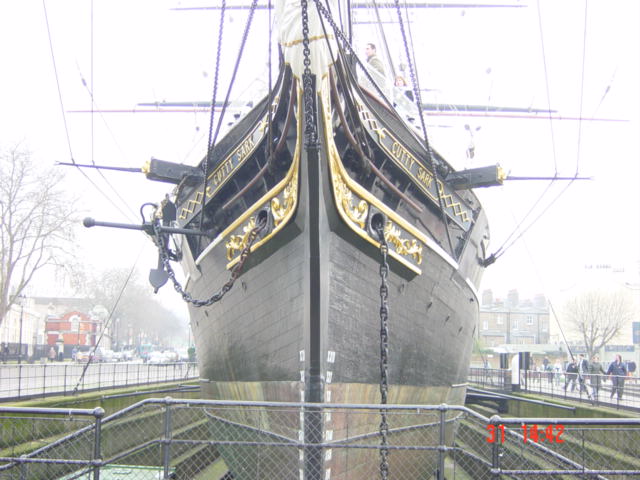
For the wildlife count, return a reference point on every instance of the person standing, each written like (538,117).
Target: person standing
(52,354)
(595,380)
(571,373)
(617,370)
(583,369)
(373,60)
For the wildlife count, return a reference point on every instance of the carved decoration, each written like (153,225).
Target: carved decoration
(344,196)
(403,247)
(237,243)
(281,210)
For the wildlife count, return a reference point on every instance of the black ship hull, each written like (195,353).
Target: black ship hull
(302,323)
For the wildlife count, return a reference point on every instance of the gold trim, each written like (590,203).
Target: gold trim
(344,188)
(403,247)
(237,243)
(282,212)
(407,160)
(357,214)
(311,39)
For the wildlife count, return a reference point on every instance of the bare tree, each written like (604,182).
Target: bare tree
(36,222)
(133,303)
(599,316)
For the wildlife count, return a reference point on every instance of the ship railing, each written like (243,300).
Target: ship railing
(604,390)
(25,381)
(197,439)
(401,98)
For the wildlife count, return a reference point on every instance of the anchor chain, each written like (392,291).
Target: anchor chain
(310,130)
(384,352)
(235,271)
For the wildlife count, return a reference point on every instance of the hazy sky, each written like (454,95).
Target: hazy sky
(544,55)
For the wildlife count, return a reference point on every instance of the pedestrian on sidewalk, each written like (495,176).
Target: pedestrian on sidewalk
(571,373)
(595,372)
(617,371)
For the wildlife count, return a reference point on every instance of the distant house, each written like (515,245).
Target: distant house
(74,328)
(513,321)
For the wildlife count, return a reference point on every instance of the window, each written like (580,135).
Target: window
(499,320)
(529,319)
(485,325)
(514,324)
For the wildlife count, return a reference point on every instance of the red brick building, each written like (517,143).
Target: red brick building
(73,328)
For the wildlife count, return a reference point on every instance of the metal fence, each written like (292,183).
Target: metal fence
(606,390)
(214,440)
(40,380)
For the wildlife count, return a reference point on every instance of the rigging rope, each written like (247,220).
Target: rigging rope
(213,109)
(107,322)
(418,100)
(508,243)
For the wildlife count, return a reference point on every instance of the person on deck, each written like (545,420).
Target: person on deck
(401,83)
(373,60)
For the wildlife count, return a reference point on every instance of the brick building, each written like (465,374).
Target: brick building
(513,321)
(72,328)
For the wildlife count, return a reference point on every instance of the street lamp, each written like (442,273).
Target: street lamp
(20,334)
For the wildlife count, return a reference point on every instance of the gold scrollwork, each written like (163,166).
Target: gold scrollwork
(237,243)
(344,195)
(403,246)
(281,210)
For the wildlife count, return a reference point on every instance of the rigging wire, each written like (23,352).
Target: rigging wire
(584,57)
(551,306)
(235,69)
(418,101)
(210,141)
(108,321)
(64,116)
(508,243)
(55,71)
(547,89)
(131,214)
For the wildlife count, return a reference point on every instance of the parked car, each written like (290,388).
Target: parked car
(83,356)
(108,355)
(170,356)
(156,357)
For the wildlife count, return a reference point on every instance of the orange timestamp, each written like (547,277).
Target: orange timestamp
(533,433)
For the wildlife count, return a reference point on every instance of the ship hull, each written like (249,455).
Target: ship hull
(302,324)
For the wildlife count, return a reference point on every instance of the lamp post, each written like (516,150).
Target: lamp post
(20,334)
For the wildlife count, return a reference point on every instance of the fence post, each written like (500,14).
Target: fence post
(44,380)
(23,468)
(166,441)
(99,413)
(495,446)
(65,380)
(19,380)
(442,440)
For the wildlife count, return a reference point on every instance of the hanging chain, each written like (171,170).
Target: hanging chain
(235,272)
(310,130)
(384,352)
